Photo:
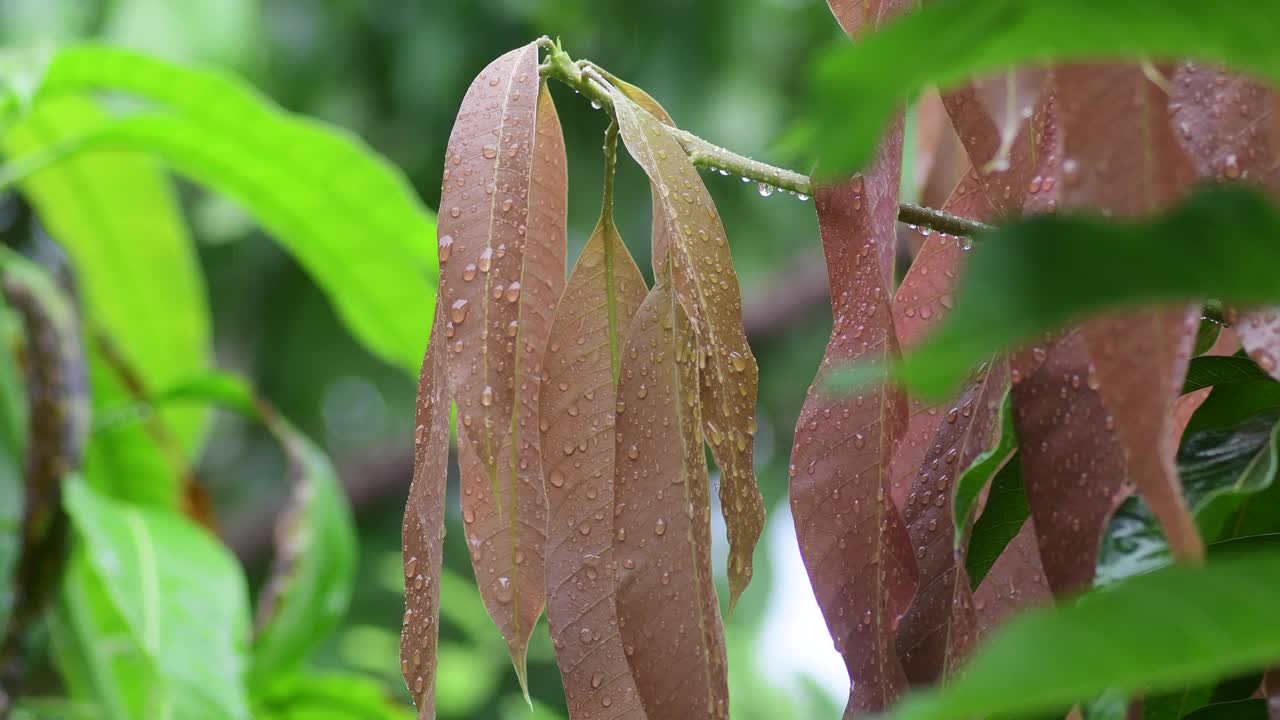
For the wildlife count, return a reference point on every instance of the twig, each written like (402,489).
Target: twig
(583,76)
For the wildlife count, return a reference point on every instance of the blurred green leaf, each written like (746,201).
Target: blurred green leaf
(1212,370)
(348,215)
(153,619)
(467,678)
(1149,633)
(54,709)
(1237,710)
(314,568)
(1041,273)
(116,215)
(13,427)
(952,40)
(219,31)
(1001,520)
(326,696)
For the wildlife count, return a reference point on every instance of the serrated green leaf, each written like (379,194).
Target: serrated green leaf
(349,217)
(1150,633)
(1041,273)
(951,40)
(153,619)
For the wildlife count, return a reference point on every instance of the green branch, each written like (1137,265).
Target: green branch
(587,78)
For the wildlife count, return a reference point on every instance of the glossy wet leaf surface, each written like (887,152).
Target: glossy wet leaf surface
(502,247)
(706,285)
(578,406)
(668,615)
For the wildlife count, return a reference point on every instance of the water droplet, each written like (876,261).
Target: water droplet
(490,151)
(513,292)
(486,259)
(633,452)
(446,248)
(469,272)
(765,190)
(458,312)
(486,396)
(455,211)
(660,528)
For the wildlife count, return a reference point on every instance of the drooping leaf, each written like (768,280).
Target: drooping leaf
(326,696)
(935,46)
(502,247)
(668,615)
(706,286)
(153,619)
(422,533)
(118,219)
(1071,464)
(1121,158)
(1037,274)
(578,403)
(1151,633)
(854,542)
(363,228)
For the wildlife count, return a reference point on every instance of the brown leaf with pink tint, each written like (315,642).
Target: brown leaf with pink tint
(578,402)
(1071,462)
(854,543)
(706,286)
(422,533)
(668,614)
(1230,128)
(862,16)
(1014,583)
(1120,157)
(502,250)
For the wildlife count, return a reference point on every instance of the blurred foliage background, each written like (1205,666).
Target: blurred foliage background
(394,72)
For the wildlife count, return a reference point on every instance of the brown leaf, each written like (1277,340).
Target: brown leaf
(1229,126)
(706,286)
(502,247)
(422,534)
(1014,583)
(941,160)
(854,543)
(578,402)
(668,614)
(857,17)
(1120,157)
(1009,100)
(1071,463)
(1271,686)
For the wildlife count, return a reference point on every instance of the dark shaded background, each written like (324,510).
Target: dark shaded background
(394,71)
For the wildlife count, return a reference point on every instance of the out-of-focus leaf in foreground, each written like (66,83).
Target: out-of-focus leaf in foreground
(1151,633)
(951,40)
(350,218)
(153,619)
(668,615)
(579,448)
(1040,273)
(502,249)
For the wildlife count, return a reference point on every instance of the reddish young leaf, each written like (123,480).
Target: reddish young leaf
(422,534)
(1009,99)
(1120,157)
(502,251)
(860,16)
(854,543)
(578,402)
(1224,122)
(941,160)
(707,287)
(1071,463)
(668,614)
(1014,583)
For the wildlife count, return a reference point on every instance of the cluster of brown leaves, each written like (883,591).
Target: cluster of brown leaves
(584,408)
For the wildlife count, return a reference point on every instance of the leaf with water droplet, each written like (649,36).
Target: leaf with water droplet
(706,286)
(668,615)
(422,533)
(855,546)
(498,336)
(578,404)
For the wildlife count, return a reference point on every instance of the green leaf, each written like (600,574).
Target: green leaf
(153,620)
(313,571)
(1211,370)
(350,217)
(1041,273)
(1150,633)
(984,468)
(1001,520)
(326,696)
(1237,710)
(117,216)
(13,425)
(1232,403)
(951,40)
(53,708)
